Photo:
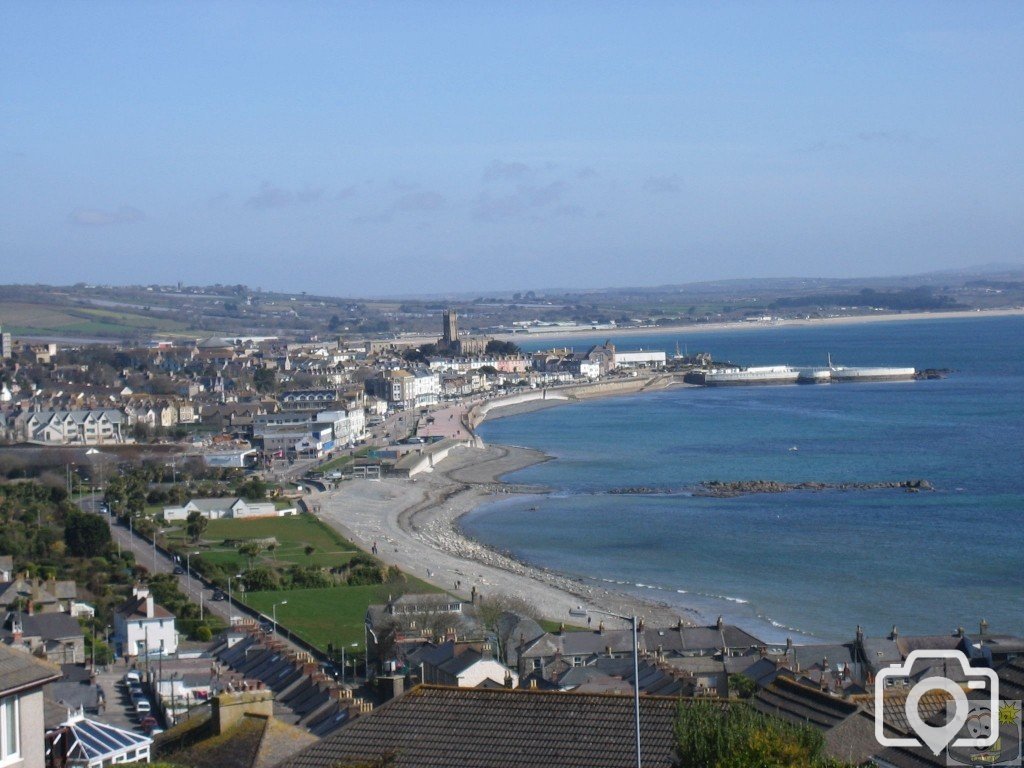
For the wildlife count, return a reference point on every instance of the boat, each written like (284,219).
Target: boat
(764,374)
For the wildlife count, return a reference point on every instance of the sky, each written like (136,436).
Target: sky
(364,149)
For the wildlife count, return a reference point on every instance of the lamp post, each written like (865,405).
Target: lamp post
(231,614)
(366,649)
(156,532)
(636,676)
(273,612)
(351,645)
(188,575)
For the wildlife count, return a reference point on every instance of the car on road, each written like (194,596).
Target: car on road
(178,570)
(218,595)
(131,676)
(267,627)
(143,708)
(148,723)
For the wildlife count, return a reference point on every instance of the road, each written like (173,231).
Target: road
(157,562)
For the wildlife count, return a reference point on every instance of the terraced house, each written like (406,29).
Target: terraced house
(85,427)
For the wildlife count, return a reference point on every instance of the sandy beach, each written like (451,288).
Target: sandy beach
(414,525)
(881,317)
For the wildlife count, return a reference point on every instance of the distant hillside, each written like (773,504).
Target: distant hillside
(140,313)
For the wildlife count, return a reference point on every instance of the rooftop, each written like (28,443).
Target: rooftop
(441,726)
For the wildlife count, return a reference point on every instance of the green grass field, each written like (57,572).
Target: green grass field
(293,535)
(330,615)
(29,318)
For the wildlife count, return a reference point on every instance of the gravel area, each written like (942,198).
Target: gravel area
(413,524)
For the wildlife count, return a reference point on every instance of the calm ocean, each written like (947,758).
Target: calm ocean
(801,564)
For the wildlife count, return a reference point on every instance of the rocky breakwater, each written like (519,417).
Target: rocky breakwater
(727,489)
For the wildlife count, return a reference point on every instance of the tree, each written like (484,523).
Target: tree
(86,535)
(250,549)
(195,524)
(264,379)
(715,734)
(495,347)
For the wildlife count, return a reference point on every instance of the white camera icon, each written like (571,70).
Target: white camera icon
(937,738)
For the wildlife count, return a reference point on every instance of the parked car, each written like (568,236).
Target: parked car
(142,708)
(148,722)
(131,676)
(178,570)
(218,595)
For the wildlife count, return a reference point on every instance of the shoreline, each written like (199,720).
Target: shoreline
(739,325)
(414,522)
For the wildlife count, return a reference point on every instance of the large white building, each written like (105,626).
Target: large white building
(141,627)
(234,508)
(647,358)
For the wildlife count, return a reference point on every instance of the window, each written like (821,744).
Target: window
(10,749)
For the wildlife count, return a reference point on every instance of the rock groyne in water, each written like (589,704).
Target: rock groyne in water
(728,489)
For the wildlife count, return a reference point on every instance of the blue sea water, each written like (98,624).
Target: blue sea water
(801,564)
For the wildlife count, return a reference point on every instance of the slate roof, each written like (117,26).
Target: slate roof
(695,640)
(849,732)
(894,707)
(134,609)
(439,727)
(19,671)
(1011,679)
(49,626)
(799,704)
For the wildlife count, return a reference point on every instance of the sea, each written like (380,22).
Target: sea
(808,565)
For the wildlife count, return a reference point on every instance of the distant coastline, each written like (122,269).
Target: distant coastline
(739,325)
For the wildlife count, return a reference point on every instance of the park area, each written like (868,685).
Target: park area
(327,581)
(333,615)
(298,540)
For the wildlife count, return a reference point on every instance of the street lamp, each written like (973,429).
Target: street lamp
(366,649)
(636,675)
(351,645)
(188,576)
(273,611)
(231,615)
(156,532)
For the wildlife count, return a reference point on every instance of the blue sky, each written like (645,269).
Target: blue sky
(381,148)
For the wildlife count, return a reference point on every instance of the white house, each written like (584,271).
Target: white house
(229,507)
(463,665)
(142,627)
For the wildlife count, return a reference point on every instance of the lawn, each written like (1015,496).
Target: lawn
(293,535)
(332,614)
